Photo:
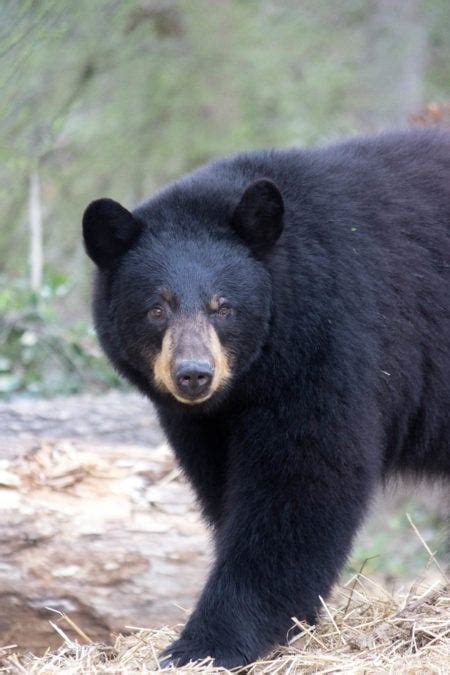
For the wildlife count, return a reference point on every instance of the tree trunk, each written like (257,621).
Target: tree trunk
(35,225)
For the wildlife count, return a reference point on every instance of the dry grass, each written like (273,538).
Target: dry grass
(364,630)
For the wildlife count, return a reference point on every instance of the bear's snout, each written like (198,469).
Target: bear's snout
(192,364)
(193,378)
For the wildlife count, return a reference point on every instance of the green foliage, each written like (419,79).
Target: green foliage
(39,355)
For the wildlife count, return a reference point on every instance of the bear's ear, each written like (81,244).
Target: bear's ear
(258,218)
(109,230)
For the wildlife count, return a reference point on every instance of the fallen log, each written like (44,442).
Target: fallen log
(95,521)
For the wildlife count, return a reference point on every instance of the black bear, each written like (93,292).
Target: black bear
(288,313)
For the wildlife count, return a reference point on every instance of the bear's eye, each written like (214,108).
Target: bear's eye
(224,310)
(156,312)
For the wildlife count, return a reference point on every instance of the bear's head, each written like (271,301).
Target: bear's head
(182,301)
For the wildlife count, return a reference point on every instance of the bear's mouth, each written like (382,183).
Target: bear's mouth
(192,401)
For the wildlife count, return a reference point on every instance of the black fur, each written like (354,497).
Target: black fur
(258,218)
(109,230)
(341,374)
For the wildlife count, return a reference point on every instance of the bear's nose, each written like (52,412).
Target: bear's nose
(193,378)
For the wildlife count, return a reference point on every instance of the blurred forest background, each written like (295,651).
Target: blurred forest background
(116,97)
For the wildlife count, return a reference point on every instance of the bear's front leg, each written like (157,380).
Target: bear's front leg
(293,503)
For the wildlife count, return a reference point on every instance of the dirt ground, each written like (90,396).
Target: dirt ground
(97,522)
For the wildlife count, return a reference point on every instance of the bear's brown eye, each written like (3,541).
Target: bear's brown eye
(224,310)
(156,312)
